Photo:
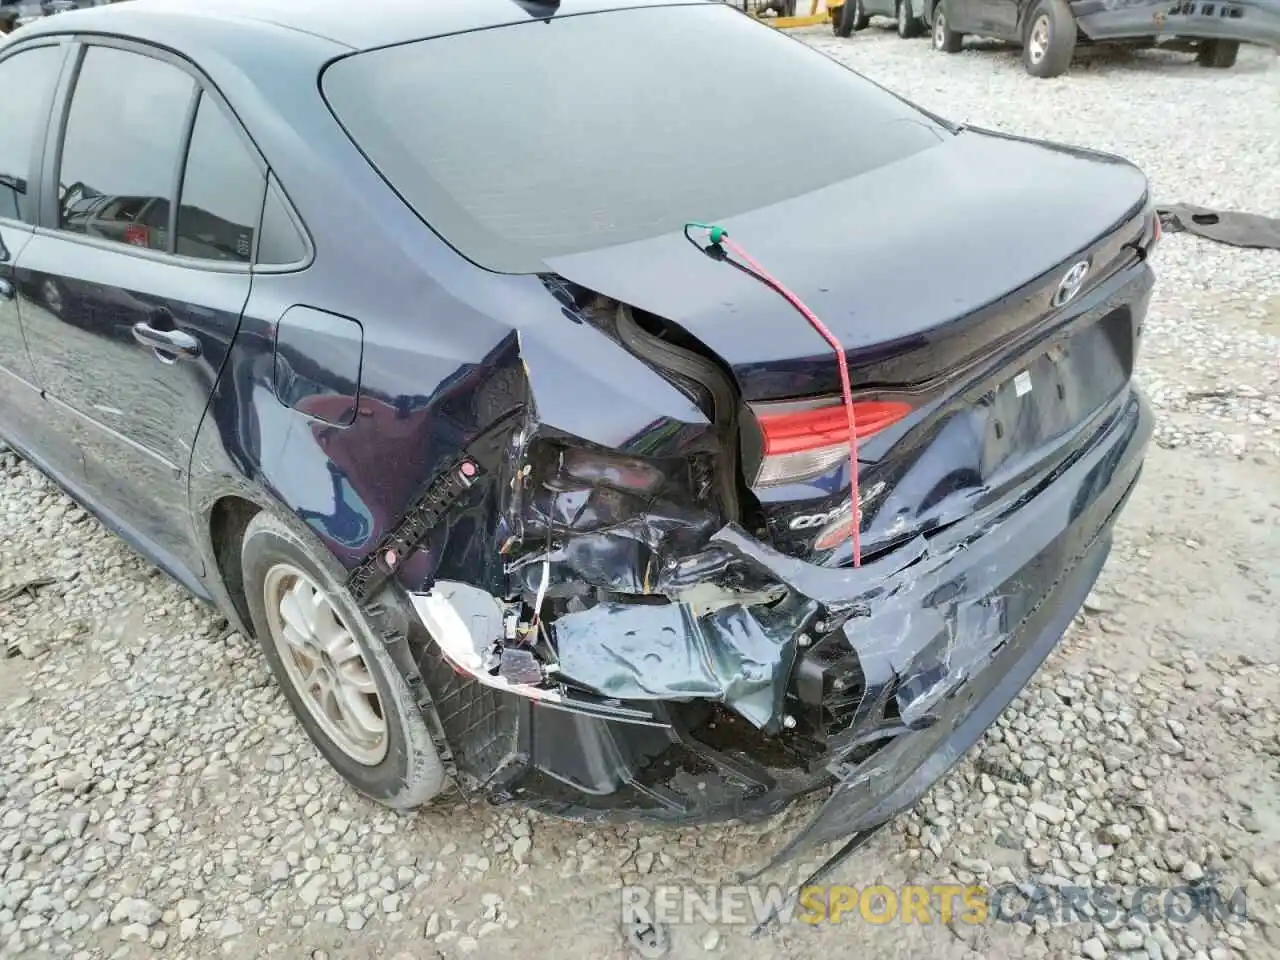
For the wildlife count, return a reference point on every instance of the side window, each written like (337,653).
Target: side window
(280,242)
(222,189)
(28,77)
(122,146)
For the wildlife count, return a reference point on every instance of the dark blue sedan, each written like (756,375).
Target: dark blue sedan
(506,368)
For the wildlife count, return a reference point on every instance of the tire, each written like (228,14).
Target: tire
(852,18)
(1050,39)
(944,38)
(402,769)
(908,22)
(1218,54)
(838,25)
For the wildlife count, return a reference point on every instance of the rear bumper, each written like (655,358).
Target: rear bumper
(1241,20)
(937,636)
(895,778)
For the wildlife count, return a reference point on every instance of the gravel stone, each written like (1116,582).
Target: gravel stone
(1116,833)
(1129,940)
(1048,813)
(520,849)
(135,933)
(187,908)
(136,910)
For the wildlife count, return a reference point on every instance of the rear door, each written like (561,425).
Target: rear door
(1000,18)
(965,16)
(134,285)
(981,17)
(28,78)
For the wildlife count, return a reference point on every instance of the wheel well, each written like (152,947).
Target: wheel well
(228,521)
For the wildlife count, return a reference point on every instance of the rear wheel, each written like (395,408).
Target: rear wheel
(852,17)
(1051,39)
(334,669)
(1218,54)
(944,38)
(908,23)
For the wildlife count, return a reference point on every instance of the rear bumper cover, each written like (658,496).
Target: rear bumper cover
(1246,21)
(946,631)
(895,778)
(952,640)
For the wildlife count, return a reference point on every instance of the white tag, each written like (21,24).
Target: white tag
(1022,384)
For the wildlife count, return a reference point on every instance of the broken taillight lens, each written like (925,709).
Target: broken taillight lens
(799,442)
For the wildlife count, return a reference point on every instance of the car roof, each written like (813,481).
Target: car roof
(353,24)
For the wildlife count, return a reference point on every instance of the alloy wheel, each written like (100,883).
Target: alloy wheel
(325,664)
(1038,42)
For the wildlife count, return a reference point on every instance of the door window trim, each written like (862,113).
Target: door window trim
(48,219)
(180,168)
(35,163)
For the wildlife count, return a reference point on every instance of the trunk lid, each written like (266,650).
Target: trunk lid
(898,263)
(940,274)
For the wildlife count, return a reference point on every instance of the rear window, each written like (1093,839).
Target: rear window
(523,143)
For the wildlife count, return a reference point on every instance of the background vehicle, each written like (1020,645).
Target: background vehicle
(1049,30)
(14,13)
(499,462)
(853,15)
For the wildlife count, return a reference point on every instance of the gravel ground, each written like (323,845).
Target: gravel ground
(157,798)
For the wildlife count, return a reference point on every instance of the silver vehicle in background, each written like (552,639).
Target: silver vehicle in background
(15,13)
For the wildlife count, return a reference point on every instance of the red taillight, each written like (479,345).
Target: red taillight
(137,235)
(825,426)
(802,443)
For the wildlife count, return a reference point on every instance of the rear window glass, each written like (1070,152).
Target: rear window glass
(522,143)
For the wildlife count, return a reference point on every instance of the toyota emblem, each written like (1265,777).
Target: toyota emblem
(1071,283)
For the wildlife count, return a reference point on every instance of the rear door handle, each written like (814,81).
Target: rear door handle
(170,344)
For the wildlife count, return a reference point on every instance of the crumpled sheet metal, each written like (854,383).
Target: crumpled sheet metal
(632,557)
(921,625)
(917,632)
(600,535)
(742,656)
(739,655)
(877,788)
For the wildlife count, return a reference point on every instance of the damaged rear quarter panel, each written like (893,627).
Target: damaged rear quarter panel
(442,356)
(423,399)
(435,380)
